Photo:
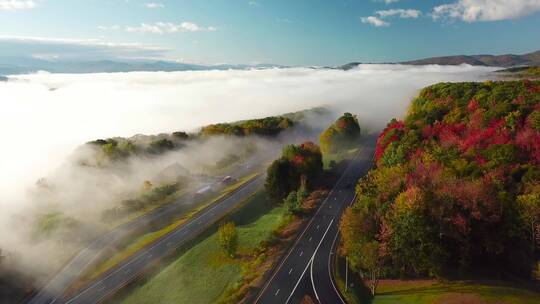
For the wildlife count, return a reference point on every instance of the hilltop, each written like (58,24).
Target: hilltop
(507,60)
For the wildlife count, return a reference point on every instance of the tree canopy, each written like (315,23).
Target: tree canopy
(268,126)
(298,164)
(455,187)
(344,133)
(228,238)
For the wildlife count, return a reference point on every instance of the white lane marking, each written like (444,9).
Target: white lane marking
(301,253)
(304,231)
(290,271)
(182,230)
(330,273)
(277,292)
(313,258)
(309,264)
(310,239)
(317,227)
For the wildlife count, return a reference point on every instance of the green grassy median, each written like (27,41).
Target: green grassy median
(152,236)
(203,273)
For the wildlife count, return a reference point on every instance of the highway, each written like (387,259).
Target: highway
(306,267)
(125,272)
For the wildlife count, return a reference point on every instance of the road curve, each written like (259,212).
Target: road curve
(128,270)
(305,267)
(321,272)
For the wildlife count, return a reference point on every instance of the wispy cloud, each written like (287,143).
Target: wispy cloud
(485,10)
(377,22)
(154,5)
(283,20)
(169,28)
(14,5)
(111,27)
(74,49)
(379,19)
(387,1)
(401,13)
(254,4)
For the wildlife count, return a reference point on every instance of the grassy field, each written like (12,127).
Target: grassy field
(337,157)
(150,237)
(454,292)
(202,273)
(134,215)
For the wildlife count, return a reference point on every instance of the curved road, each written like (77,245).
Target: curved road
(306,266)
(131,268)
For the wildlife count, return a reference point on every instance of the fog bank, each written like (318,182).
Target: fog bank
(45,116)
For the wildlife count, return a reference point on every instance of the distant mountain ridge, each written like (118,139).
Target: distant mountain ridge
(508,60)
(13,66)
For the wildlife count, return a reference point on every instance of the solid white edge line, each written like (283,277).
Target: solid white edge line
(263,290)
(329,271)
(157,244)
(313,281)
(310,263)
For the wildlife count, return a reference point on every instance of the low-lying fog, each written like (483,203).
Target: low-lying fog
(44,117)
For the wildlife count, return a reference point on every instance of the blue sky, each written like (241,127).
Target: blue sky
(291,32)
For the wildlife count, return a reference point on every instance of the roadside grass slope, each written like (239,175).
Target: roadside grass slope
(203,273)
(152,236)
(433,292)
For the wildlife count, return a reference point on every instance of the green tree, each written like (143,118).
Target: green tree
(291,202)
(298,165)
(147,185)
(180,135)
(534,119)
(279,179)
(160,146)
(110,149)
(529,205)
(414,241)
(364,254)
(371,261)
(228,238)
(344,133)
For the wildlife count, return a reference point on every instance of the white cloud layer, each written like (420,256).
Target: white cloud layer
(154,5)
(379,20)
(375,21)
(14,5)
(43,126)
(485,10)
(84,49)
(401,13)
(169,28)
(387,1)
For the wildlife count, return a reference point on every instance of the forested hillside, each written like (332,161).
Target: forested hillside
(456,187)
(102,152)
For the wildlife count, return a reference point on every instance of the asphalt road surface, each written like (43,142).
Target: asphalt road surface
(306,266)
(125,272)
